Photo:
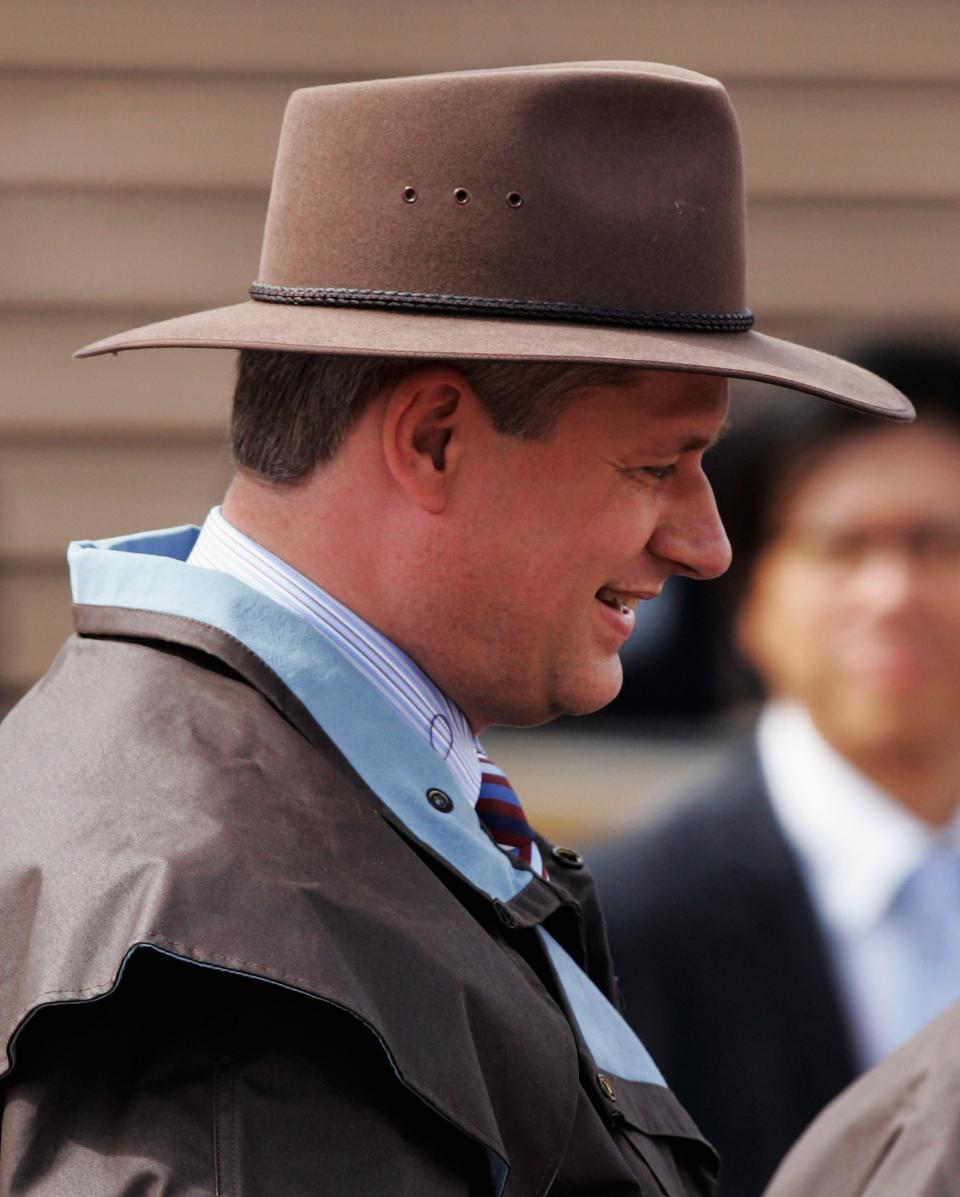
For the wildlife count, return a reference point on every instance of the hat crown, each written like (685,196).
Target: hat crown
(575,212)
(615,186)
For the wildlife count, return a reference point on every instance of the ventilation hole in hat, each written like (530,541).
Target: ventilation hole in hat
(461,195)
(410,195)
(515,199)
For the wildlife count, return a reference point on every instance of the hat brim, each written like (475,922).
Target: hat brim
(750,355)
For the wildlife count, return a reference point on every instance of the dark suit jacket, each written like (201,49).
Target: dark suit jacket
(725,972)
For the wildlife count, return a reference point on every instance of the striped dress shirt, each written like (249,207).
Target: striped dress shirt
(402,683)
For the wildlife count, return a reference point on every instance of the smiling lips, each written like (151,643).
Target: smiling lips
(618,600)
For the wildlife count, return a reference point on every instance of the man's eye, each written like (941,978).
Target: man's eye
(643,474)
(660,472)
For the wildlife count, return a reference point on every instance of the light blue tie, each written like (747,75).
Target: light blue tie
(926,912)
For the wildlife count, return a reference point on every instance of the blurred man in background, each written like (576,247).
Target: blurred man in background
(798,919)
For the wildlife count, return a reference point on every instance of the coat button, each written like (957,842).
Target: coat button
(506,916)
(606,1088)
(567,856)
(440,801)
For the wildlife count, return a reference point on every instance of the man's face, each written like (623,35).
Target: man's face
(567,534)
(854,608)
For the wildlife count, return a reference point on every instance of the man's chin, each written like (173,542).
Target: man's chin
(594,692)
(871,721)
(580,694)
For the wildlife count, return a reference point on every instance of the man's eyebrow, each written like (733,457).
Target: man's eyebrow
(695,444)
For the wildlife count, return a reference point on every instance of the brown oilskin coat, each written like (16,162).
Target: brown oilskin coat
(226,967)
(895,1132)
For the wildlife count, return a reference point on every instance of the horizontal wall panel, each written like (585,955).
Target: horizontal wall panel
(52,494)
(183,251)
(871,140)
(36,620)
(140,130)
(798,38)
(875,260)
(810,138)
(169,392)
(71,248)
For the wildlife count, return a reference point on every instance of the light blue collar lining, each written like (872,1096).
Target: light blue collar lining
(611,1040)
(148,572)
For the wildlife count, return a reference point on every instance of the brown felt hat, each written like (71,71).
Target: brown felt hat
(580,212)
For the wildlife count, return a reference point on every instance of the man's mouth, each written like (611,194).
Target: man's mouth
(618,600)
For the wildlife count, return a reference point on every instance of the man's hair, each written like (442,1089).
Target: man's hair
(292,411)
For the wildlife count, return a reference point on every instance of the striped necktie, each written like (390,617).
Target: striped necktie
(499,810)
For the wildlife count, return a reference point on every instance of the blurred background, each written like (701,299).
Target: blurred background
(136,146)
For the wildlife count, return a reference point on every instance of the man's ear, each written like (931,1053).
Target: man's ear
(423,432)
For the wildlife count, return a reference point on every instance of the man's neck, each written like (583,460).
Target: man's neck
(922,778)
(288,522)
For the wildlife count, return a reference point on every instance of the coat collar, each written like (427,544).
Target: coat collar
(148,572)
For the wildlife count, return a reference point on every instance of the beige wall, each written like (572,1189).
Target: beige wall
(136,142)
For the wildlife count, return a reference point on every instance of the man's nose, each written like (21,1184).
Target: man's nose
(691,535)
(886,579)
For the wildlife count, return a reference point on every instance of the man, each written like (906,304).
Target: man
(480,370)
(813,924)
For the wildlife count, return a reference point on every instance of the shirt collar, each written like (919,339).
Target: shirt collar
(411,693)
(856,843)
(148,573)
